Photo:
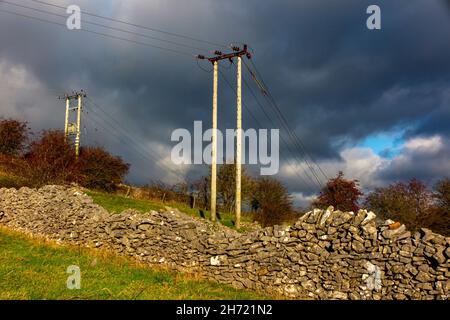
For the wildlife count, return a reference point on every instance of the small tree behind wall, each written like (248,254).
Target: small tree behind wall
(340,193)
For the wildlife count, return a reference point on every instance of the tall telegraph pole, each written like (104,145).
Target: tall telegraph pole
(238,142)
(237,53)
(214,144)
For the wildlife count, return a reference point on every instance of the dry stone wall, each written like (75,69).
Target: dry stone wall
(326,254)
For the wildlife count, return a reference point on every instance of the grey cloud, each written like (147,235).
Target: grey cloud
(335,81)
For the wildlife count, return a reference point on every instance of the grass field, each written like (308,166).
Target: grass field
(8,181)
(34,269)
(116,203)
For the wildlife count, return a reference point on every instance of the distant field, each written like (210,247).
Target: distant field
(34,269)
(117,203)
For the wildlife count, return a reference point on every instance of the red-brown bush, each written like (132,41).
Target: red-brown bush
(340,193)
(98,169)
(51,160)
(13,136)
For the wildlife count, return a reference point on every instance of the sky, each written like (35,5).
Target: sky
(372,103)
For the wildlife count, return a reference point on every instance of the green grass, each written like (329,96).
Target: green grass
(116,203)
(9,181)
(34,269)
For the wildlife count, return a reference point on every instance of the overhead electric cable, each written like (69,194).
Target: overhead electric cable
(174,34)
(107,27)
(100,33)
(253,116)
(296,140)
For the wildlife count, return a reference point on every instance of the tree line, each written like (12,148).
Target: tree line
(50,159)
(411,203)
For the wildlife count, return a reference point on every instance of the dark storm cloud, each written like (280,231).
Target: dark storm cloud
(335,81)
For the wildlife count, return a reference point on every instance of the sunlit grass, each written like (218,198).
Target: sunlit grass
(10,181)
(117,203)
(36,269)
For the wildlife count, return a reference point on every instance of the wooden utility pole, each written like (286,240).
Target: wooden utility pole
(77,138)
(237,52)
(238,143)
(66,122)
(214,144)
(74,128)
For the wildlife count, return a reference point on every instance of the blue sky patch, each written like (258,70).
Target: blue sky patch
(385,144)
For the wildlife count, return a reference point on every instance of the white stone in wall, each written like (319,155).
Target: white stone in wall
(215,261)
(325,217)
(370,216)
(373,279)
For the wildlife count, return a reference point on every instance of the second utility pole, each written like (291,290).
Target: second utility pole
(74,128)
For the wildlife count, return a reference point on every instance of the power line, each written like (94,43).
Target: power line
(297,141)
(259,124)
(106,26)
(244,104)
(116,127)
(100,121)
(99,33)
(270,119)
(282,138)
(293,132)
(87,133)
(145,155)
(124,132)
(202,68)
(285,125)
(267,95)
(136,25)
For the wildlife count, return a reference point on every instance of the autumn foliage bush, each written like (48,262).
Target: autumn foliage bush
(98,169)
(400,202)
(273,202)
(442,194)
(13,136)
(414,205)
(51,160)
(340,193)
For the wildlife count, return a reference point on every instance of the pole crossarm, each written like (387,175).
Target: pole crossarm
(74,95)
(227,56)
